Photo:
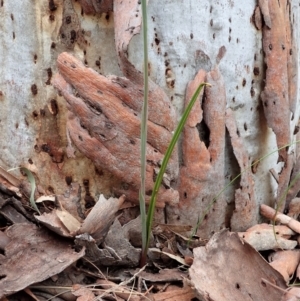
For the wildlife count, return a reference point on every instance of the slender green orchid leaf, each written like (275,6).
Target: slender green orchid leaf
(31,180)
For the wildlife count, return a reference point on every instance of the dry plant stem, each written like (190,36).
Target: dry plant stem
(271,214)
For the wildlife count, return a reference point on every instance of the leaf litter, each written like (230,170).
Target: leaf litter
(82,255)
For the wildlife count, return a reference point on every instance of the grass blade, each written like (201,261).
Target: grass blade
(144,119)
(164,164)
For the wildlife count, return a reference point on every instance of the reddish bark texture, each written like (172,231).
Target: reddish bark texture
(246,212)
(280,90)
(202,173)
(104,126)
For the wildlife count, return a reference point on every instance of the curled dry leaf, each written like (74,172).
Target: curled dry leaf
(291,294)
(219,271)
(101,217)
(262,237)
(33,252)
(271,214)
(285,262)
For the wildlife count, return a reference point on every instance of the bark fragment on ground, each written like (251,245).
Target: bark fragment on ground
(221,271)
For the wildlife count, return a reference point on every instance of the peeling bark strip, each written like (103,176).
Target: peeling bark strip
(279,74)
(246,211)
(104,126)
(276,93)
(202,173)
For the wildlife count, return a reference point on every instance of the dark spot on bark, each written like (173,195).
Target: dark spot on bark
(35,114)
(30,161)
(204,132)
(98,63)
(89,201)
(107,17)
(185,195)
(244,82)
(256,71)
(52,5)
(49,73)
(42,112)
(53,45)
(229,29)
(153,18)
(229,39)
(148,192)
(54,107)
(245,126)
(252,92)
(46,148)
(157,41)
(51,189)
(283,47)
(12,16)
(291,51)
(191,36)
(34,89)
(16,125)
(73,36)
(68,19)
(68,180)
(108,125)
(229,20)
(233,99)
(238,133)
(270,46)
(211,9)
(63,36)
(14,36)
(51,18)
(211,22)
(80,138)
(132,141)
(214,36)
(296,130)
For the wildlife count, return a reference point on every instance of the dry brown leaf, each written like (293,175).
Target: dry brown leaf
(183,294)
(229,269)
(101,217)
(52,222)
(83,293)
(292,294)
(68,220)
(164,275)
(285,262)
(262,237)
(120,291)
(33,252)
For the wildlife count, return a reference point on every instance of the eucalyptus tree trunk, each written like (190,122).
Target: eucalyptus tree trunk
(247,50)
